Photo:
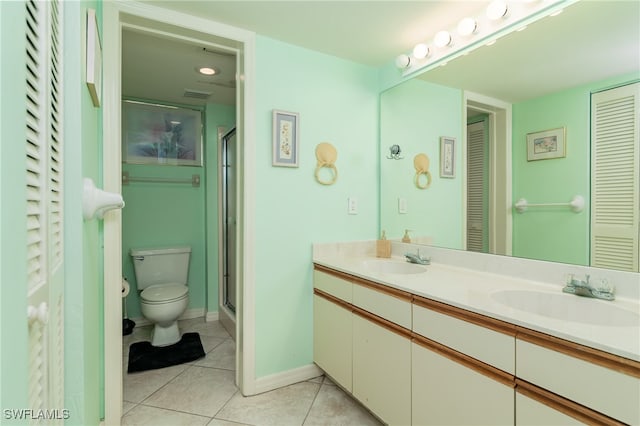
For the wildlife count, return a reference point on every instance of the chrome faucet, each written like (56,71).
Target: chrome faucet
(584,288)
(416,258)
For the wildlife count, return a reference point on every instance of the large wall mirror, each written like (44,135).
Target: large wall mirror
(527,83)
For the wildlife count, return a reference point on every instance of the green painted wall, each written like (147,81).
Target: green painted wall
(552,233)
(169,214)
(414,115)
(84,332)
(337,101)
(13,276)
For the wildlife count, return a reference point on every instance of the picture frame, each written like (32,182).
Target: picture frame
(93,58)
(161,134)
(286,138)
(546,144)
(447,157)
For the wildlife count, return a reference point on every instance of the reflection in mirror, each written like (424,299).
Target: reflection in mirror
(530,81)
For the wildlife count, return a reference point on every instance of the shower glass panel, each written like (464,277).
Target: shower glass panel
(229,220)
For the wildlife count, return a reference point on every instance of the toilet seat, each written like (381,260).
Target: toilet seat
(164,293)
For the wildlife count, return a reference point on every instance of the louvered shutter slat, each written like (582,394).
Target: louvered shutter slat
(475,186)
(615,193)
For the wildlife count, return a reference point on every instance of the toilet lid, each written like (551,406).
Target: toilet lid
(163,293)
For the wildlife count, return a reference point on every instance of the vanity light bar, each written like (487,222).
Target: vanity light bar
(469,33)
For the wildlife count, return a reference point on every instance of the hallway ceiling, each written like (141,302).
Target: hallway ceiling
(375,32)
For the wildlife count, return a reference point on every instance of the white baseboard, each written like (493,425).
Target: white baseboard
(286,378)
(188,314)
(212,316)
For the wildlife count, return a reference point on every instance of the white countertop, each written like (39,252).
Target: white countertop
(471,290)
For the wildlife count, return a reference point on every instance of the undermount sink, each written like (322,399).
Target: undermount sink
(568,307)
(393,267)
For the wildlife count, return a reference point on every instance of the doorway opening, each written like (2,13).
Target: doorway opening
(169,24)
(488,230)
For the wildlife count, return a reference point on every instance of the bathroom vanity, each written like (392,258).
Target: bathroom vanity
(440,344)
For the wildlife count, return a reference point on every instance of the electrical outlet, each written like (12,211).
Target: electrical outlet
(402,205)
(352,207)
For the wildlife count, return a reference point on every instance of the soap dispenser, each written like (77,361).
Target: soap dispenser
(406,238)
(383,246)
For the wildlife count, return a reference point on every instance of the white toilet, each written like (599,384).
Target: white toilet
(161,275)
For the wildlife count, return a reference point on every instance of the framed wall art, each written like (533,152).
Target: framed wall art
(93,58)
(161,134)
(286,138)
(546,144)
(447,157)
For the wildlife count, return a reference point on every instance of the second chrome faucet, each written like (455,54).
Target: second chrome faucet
(584,288)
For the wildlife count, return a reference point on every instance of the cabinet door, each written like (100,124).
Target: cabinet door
(445,392)
(382,371)
(332,340)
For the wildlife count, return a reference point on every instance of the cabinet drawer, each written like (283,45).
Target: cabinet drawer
(489,346)
(333,285)
(610,392)
(394,308)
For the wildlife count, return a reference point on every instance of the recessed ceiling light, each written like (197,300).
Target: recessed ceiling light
(207,70)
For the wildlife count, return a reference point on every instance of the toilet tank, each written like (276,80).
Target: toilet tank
(161,266)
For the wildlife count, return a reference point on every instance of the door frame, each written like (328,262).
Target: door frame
(117,14)
(500,170)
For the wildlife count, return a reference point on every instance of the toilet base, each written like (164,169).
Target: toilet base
(165,336)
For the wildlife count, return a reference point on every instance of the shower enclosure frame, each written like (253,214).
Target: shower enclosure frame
(227,208)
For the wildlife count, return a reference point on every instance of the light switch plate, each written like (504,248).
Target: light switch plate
(402,205)
(352,207)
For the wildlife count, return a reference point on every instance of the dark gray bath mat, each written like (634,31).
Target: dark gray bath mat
(143,356)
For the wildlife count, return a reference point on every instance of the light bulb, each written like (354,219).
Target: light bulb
(420,51)
(442,39)
(467,26)
(497,9)
(403,61)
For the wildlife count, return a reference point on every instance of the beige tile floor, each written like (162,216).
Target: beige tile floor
(203,392)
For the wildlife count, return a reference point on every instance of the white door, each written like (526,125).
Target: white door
(44,198)
(615,182)
(476,188)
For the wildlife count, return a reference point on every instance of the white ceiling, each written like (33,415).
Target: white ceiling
(602,37)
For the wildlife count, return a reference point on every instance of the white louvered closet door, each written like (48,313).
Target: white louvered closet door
(615,182)
(44,208)
(475,187)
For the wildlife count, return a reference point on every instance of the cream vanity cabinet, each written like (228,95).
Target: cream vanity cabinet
(332,327)
(462,371)
(362,339)
(382,351)
(412,360)
(568,378)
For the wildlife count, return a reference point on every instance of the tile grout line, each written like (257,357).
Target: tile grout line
(174,410)
(312,402)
